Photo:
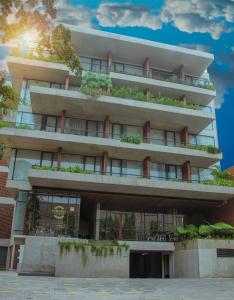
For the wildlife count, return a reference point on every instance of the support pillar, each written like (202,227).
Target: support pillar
(181,73)
(184,99)
(59,158)
(109,61)
(106,127)
(146,67)
(66,84)
(147,167)
(186,171)
(97,227)
(147,132)
(184,136)
(104,162)
(62,122)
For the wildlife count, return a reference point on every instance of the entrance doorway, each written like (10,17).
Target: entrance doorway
(3,257)
(145,264)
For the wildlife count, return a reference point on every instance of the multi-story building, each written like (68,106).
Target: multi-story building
(132,192)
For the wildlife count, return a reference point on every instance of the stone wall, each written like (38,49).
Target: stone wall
(198,258)
(116,265)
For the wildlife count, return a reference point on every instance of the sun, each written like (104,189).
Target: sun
(29,38)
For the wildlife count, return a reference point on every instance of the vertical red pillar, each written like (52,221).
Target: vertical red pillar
(184,136)
(147,167)
(66,85)
(109,61)
(181,73)
(104,162)
(59,158)
(147,132)
(186,171)
(106,127)
(184,99)
(62,122)
(146,67)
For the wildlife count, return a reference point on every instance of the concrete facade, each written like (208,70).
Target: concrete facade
(198,259)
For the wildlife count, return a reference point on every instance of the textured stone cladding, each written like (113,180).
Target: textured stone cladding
(6,210)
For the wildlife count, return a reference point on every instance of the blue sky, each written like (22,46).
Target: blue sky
(202,24)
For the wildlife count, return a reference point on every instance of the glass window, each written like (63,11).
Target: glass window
(192,139)
(100,129)
(205,174)
(25,159)
(179,173)
(133,168)
(86,63)
(170,138)
(51,124)
(195,174)
(158,170)
(171,173)
(91,128)
(119,68)
(47,159)
(53,215)
(178,139)
(75,126)
(96,65)
(116,131)
(205,140)
(158,137)
(69,160)
(89,163)
(116,166)
(133,130)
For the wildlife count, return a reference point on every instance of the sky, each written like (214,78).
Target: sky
(200,24)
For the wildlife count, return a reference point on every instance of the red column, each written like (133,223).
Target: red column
(186,171)
(184,99)
(147,167)
(181,72)
(62,122)
(66,82)
(104,162)
(146,67)
(59,158)
(109,61)
(147,132)
(106,127)
(184,136)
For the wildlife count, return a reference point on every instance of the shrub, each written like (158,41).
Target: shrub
(208,148)
(131,139)
(96,84)
(4,124)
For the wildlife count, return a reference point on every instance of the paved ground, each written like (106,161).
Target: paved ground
(48,288)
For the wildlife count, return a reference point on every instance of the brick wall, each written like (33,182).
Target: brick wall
(6,215)
(224,214)
(6,210)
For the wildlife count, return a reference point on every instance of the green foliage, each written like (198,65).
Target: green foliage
(132,139)
(8,98)
(221,178)
(136,94)
(24,126)
(4,124)
(62,48)
(215,231)
(207,148)
(95,84)
(97,249)
(75,169)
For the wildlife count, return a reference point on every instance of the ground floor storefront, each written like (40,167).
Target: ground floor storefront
(145,225)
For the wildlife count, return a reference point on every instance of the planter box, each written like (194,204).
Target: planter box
(198,258)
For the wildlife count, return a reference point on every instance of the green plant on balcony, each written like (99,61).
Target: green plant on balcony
(75,169)
(45,168)
(205,231)
(24,126)
(221,178)
(207,148)
(96,84)
(132,139)
(4,124)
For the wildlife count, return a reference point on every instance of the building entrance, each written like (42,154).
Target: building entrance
(145,264)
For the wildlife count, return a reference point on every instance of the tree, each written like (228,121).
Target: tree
(219,174)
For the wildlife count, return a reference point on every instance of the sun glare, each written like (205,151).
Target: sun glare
(29,38)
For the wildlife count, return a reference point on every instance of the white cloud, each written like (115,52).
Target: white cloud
(123,15)
(73,14)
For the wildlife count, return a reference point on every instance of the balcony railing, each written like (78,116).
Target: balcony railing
(32,121)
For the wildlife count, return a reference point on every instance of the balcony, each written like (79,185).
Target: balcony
(52,101)
(74,141)
(128,184)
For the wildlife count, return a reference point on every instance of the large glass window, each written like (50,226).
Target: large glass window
(24,161)
(158,170)
(138,225)
(53,215)
(69,160)
(202,140)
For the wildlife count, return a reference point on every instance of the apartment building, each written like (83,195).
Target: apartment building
(129,192)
